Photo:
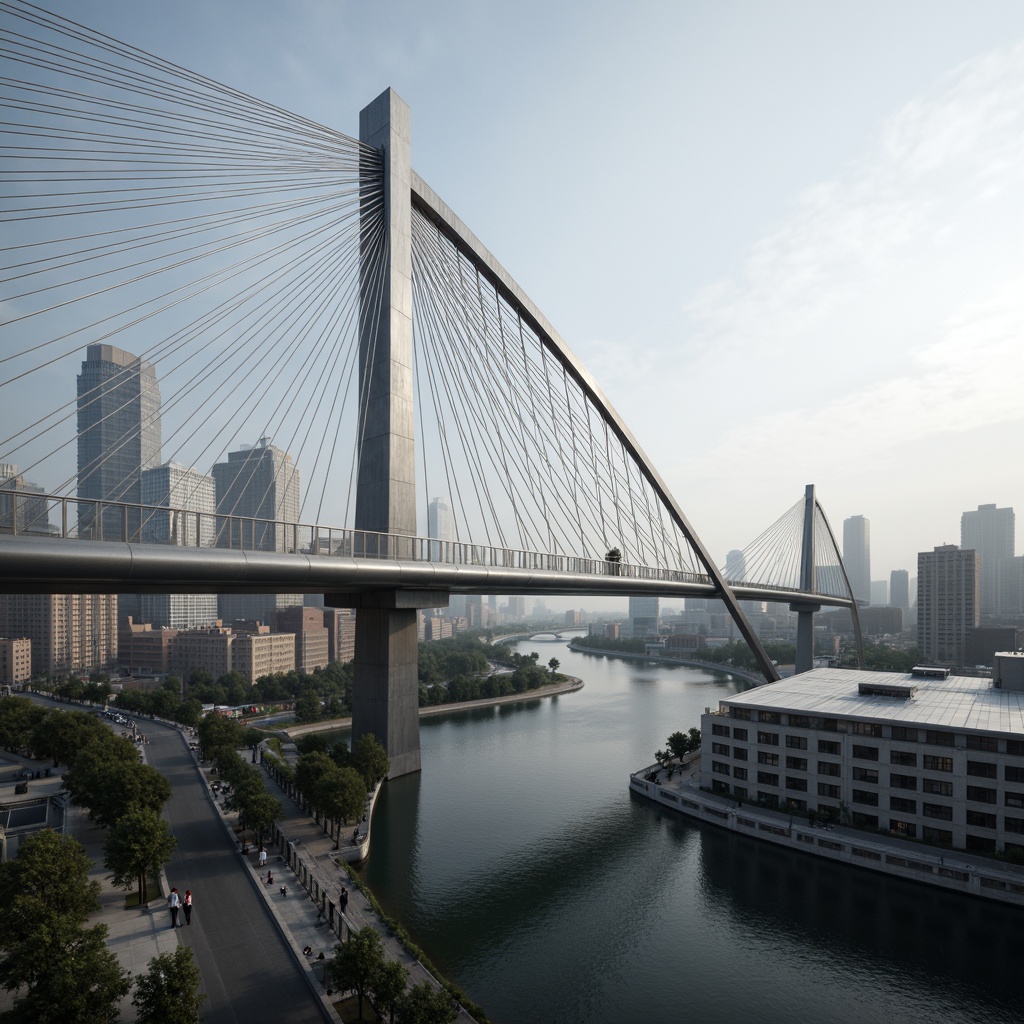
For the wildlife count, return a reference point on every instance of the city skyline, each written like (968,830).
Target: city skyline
(889,202)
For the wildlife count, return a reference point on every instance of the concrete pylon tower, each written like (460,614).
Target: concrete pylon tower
(805,609)
(386,692)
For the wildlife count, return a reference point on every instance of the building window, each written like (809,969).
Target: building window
(740,714)
(865,753)
(899,803)
(740,792)
(1015,799)
(797,763)
(862,820)
(989,743)
(796,805)
(906,735)
(740,773)
(829,768)
(937,787)
(1014,825)
(768,778)
(829,747)
(830,724)
(937,764)
(940,811)
(982,844)
(939,739)
(981,794)
(769,739)
(796,742)
(739,734)
(798,785)
(1013,773)
(903,757)
(739,753)
(865,775)
(719,730)
(866,797)
(718,786)
(799,722)
(982,769)
(768,717)
(902,781)
(867,729)
(1015,747)
(981,819)
(763,757)
(771,799)
(903,828)
(720,748)
(936,835)
(719,768)
(824,789)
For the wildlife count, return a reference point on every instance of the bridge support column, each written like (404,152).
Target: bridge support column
(805,610)
(804,635)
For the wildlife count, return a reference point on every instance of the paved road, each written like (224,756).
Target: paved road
(249,973)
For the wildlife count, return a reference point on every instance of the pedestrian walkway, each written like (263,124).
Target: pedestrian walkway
(298,916)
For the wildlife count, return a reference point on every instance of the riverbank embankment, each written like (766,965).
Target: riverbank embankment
(569,685)
(714,666)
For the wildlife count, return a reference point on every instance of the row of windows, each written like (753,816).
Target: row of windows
(933,737)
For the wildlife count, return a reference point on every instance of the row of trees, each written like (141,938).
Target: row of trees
(360,966)
(220,739)
(332,782)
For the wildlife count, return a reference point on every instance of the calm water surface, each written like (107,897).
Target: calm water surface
(522,865)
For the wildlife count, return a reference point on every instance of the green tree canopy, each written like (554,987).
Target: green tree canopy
(168,993)
(388,987)
(356,963)
(139,842)
(371,760)
(425,1004)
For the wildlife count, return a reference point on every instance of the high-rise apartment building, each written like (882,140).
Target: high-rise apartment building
(516,607)
(181,491)
(947,603)
(857,556)
(69,632)
(990,532)
(879,593)
(899,588)
(1011,587)
(312,642)
(440,526)
(118,436)
(257,492)
(736,566)
(18,509)
(643,616)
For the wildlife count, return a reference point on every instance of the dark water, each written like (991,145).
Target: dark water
(521,864)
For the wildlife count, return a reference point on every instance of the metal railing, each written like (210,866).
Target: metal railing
(129,523)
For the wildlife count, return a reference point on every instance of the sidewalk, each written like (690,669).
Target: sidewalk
(297,915)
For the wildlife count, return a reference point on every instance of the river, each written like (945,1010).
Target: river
(521,864)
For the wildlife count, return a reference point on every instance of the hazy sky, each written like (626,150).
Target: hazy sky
(786,238)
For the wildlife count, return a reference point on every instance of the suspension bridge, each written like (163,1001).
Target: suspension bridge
(209,300)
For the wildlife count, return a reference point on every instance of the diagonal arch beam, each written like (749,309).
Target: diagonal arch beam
(431,206)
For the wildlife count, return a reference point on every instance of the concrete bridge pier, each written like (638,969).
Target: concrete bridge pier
(804,634)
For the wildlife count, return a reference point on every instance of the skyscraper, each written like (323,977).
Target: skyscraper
(257,492)
(19,511)
(440,526)
(990,532)
(69,632)
(947,603)
(173,486)
(643,616)
(879,593)
(118,436)
(899,588)
(857,556)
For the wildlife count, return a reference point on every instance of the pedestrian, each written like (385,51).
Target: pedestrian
(174,902)
(270,878)
(188,906)
(343,899)
(263,858)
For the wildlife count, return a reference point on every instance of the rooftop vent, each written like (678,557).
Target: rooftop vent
(900,690)
(929,672)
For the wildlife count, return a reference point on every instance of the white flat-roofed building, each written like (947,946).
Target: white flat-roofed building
(923,754)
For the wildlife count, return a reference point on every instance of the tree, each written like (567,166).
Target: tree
(168,993)
(424,1004)
(139,842)
(60,970)
(388,987)
(678,745)
(260,811)
(307,707)
(356,963)
(19,717)
(109,779)
(553,664)
(371,760)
